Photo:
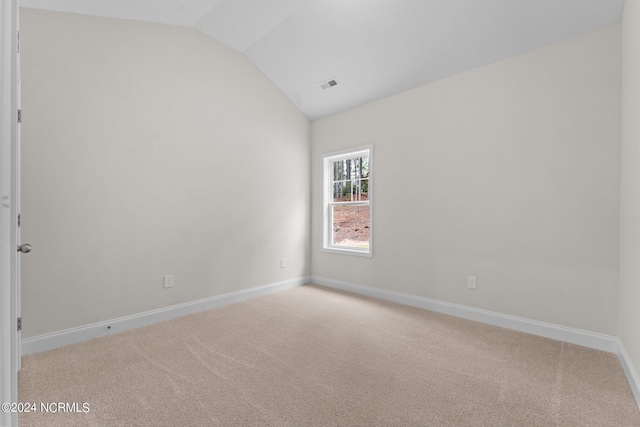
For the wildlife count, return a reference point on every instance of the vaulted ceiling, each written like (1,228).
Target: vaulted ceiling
(372,48)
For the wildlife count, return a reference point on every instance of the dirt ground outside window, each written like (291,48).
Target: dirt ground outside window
(351,226)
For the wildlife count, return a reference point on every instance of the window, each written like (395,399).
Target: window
(347,202)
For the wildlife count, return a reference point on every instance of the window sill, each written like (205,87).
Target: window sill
(344,251)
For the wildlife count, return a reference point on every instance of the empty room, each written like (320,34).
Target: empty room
(320,213)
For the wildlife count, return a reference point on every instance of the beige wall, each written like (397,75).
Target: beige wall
(509,172)
(151,150)
(630,191)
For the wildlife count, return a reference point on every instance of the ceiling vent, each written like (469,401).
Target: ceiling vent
(329,83)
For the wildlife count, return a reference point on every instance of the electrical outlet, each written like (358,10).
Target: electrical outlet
(471,282)
(283,263)
(168,281)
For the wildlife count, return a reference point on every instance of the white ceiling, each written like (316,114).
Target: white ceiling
(373,48)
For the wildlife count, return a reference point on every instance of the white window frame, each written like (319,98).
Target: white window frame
(328,203)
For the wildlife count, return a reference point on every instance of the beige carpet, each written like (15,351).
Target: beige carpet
(317,357)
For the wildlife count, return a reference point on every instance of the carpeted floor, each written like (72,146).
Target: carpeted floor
(311,356)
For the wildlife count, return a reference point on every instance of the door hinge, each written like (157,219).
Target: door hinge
(19,220)
(19,323)
(19,116)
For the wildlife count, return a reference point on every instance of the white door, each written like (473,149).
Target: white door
(16,221)
(9,209)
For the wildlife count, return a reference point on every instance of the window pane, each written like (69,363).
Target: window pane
(349,169)
(342,191)
(361,190)
(357,166)
(365,189)
(365,167)
(339,170)
(350,226)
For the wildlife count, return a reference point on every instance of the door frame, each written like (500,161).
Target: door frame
(9,275)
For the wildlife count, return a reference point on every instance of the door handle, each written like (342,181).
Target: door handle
(25,248)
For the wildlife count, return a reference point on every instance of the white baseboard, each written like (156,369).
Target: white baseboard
(574,336)
(629,371)
(83,333)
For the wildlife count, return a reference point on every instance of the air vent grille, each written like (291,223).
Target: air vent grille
(329,83)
